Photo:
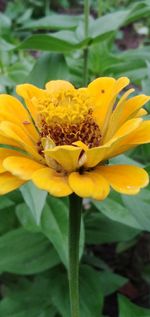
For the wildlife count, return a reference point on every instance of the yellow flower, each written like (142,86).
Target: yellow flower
(65,137)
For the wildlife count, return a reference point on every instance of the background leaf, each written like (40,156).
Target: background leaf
(100,229)
(46,67)
(128,309)
(23,252)
(54,224)
(35,199)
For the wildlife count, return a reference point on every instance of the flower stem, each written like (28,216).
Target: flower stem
(100,7)
(86,31)
(74,236)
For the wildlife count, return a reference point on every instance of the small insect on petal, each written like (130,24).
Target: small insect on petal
(26,122)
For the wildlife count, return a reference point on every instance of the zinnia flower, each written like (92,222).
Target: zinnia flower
(65,137)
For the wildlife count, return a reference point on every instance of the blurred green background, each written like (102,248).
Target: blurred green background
(45,40)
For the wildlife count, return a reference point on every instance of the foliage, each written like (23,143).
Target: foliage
(37,44)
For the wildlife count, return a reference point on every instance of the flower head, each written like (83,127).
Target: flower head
(64,138)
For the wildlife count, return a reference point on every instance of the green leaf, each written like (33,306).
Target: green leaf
(26,218)
(111,22)
(5,46)
(8,220)
(5,202)
(53,22)
(23,252)
(62,41)
(5,23)
(18,72)
(139,10)
(54,224)
(35,199)
(124,246)
(111,282)
(107,23)
(128,309)
(117,212)
(91,297)
(147,169)
(124,159)
(46,67)
(139,209)
(90,289)
(100,229)
(28,298)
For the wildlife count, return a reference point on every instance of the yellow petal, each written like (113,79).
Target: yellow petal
(121,83)
(82,185)
(102,187)
(21,166)
(7,141)
(9,106)
(124,178)
(96,155)
(114,122)
(141,135)
(141,113)
(119,143)
(128,127)
(27,92)
(5,153)
(131,106)
(55,183)
(89,184)
(9,183)
(100,90)
(103,92)
(82,145)
(58,85)
(108,150)
(66,155)
(15,133)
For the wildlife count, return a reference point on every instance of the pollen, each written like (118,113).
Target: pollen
(66,117)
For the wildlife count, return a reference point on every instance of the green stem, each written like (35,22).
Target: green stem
(86,31)
(100,7)
(74,236)
(47,7)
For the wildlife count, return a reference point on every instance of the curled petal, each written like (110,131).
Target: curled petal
(66,155)
(141,113)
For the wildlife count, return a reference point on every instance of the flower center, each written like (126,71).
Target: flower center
(66,117)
